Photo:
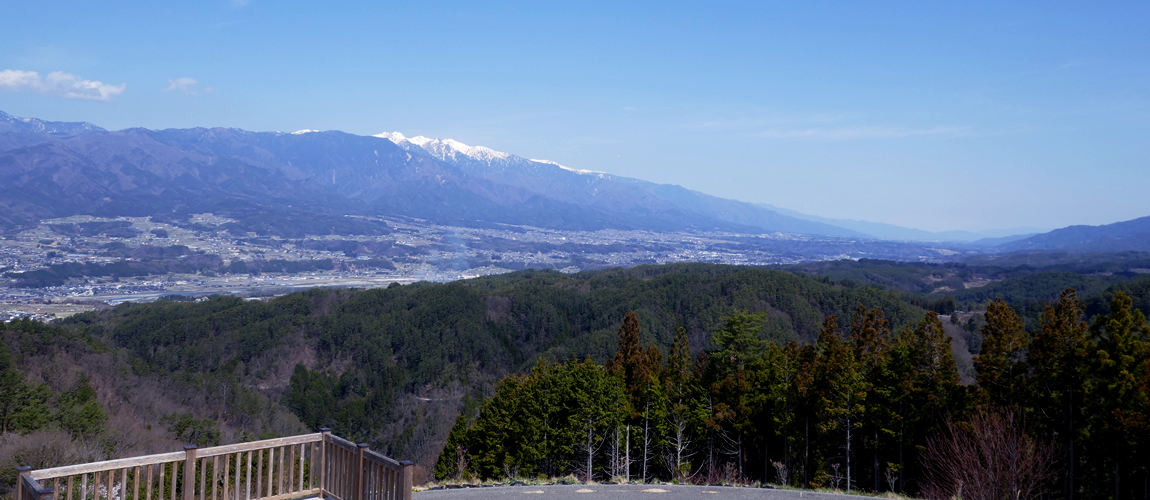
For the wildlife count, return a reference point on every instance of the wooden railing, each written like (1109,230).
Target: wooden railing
(312,465)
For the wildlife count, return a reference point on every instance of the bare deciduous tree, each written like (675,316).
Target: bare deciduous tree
(991,458)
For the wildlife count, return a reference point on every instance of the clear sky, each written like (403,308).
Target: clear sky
(934,115)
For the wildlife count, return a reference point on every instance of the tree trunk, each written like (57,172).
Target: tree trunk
(627,460)
(766,461)
(807,452)
(590,450)
(848,453)
(646,439)
(877,472)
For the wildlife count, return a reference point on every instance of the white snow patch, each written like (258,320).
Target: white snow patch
(395,137)
(304,131)
(445,148)
(564,167)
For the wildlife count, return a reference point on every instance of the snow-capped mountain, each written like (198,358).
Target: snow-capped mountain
(18,132)
(601,191)
(464,156)
(291,180)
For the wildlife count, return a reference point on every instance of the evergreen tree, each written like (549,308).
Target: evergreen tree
(842,392)
(1115,402)
(23,406)
(682,416)
(870,334)
(454,459)
(1001,363)
(1057,358)
(79,412)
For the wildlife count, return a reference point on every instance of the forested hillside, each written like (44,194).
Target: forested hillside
(1062,410)
(395,367)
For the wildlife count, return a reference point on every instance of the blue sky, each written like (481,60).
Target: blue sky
(955,115)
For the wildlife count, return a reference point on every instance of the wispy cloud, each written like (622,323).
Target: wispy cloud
(58,83)
(871,132)
(189,86)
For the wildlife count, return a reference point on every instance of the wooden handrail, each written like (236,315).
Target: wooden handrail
(257,445)
(319,464)
(72,470)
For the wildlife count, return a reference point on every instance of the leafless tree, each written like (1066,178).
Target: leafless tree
(990,458)
(677,455)
(781,472)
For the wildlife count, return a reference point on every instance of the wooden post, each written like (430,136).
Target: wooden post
(358,478)
(20,473)
(408,479)
(324,433)
(189,473)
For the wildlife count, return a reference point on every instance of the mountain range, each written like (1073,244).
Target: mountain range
(307,182)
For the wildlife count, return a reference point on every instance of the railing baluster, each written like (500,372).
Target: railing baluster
(248,488)
(324,432)
(291,468)
(259,474)
(280,475)
(227,473)
(271,471)
(203,479)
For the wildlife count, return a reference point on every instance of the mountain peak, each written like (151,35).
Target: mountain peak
(36,125)
(445,149)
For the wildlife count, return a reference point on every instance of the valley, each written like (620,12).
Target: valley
(131,258)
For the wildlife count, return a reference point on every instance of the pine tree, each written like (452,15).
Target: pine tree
(682,420)
(842,392)
(23,406)
(1115,401)
(1001,362)
(870,334)
(1058,358)
(454,458)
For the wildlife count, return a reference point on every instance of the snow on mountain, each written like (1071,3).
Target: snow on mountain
(9,123)
(564,167)
(446,149)
(304,131)
(456,152)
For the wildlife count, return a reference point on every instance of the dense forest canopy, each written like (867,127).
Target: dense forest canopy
(1065,410)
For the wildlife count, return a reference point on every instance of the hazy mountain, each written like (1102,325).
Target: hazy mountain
(18,132)
(609,193)
(278,179)
(1131,235)
(982,239)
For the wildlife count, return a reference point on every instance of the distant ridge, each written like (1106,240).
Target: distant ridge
(273,180)
(983,239)
(1131,235)
(16,132)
